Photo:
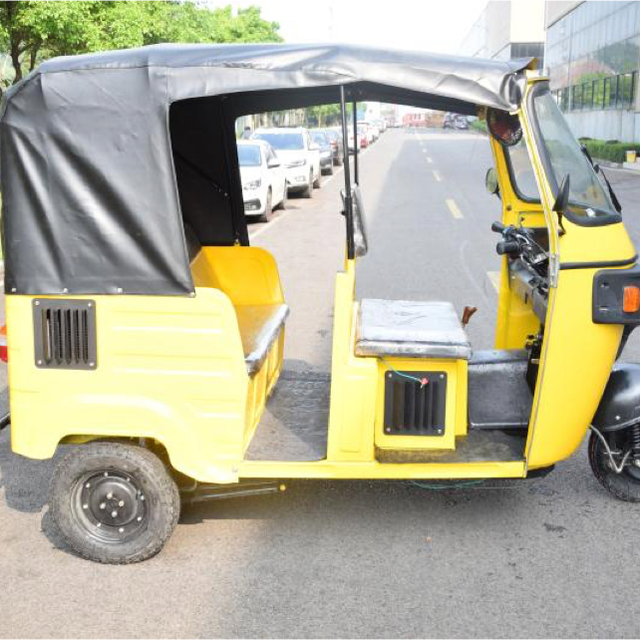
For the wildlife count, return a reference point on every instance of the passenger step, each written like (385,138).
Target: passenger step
(477,446)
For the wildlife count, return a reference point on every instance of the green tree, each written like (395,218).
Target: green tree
(31,31)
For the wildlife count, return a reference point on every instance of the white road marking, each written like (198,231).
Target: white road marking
(494,278)
(437,176)
(453,207)
(429,160)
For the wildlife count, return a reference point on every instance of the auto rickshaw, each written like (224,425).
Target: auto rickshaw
(147,335)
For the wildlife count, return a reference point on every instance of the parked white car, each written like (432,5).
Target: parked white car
(299,154)
(264,181)
(371,131)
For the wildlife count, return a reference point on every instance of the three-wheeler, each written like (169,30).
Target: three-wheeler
(146,335)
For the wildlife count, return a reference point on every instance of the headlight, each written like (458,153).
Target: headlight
(296,163)
(254,184)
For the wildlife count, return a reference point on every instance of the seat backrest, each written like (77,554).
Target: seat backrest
(360,241)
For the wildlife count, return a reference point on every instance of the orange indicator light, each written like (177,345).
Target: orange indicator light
(631,300)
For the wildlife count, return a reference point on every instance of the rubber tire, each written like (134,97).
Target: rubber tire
(153,477)
(339,161)
(285,199)
(316,183)
(622,486)
(308,190)
(329,170)
(268,208)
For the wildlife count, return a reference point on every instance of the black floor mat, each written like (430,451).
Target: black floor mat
(295,422)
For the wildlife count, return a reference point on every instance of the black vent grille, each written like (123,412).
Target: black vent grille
(65,333)
(414,403)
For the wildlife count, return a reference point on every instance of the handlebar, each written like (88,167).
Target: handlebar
(498,227)
(509,247)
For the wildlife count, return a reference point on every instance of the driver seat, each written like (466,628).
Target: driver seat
(404,329)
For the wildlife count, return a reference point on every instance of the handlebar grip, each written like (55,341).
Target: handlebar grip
(509,247)
(498,227)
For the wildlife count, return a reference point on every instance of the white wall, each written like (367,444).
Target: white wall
(605,125)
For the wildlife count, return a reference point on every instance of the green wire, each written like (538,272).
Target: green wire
(399,373)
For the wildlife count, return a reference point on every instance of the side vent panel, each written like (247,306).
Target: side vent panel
(64,333)
(413,408)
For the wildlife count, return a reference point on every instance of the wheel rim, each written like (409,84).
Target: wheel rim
(620,443)
(110,506)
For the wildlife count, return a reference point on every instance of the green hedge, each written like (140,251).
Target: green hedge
(612,150)
(479,125)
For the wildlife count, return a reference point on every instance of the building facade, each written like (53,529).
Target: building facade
(592,57)
(507,30)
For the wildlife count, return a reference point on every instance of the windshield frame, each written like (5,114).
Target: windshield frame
(605,217)
(512,176)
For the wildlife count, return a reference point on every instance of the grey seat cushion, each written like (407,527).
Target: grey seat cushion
(260,326)
(410,329)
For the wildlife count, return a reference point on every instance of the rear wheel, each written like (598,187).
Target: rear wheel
(114,503)
(626,484)
(308,190)
(285,197)
(268,208)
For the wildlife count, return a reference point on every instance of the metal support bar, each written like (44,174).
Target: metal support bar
(206,492)
(356,149)
(5,421)
(348,199)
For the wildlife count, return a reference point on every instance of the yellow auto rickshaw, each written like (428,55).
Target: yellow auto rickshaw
(146,333)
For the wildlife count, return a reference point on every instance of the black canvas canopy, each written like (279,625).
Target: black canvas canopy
(102,156)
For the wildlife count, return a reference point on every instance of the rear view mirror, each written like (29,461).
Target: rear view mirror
(562,200)
(314,147)
(491,182)
(273,164)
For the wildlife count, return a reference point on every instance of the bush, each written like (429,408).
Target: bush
(479,125)
(611,151)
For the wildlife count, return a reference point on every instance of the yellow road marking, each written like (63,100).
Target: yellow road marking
(453,207)
(437,176)
(494,277)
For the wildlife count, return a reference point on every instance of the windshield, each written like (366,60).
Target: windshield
(283,141)
(587,194)
(320,138)
(249,155)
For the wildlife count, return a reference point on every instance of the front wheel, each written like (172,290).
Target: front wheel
(621,477)
(316,183)
(114,503)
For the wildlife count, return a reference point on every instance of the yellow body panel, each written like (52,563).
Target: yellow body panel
(353,381)
(456,403)
(169,368)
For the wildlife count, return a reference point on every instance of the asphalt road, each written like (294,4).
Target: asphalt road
(555,557)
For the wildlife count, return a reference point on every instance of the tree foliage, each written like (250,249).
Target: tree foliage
(31,31)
